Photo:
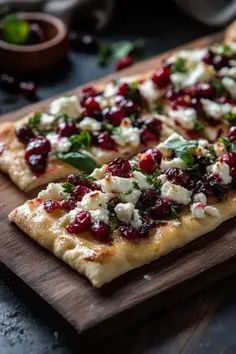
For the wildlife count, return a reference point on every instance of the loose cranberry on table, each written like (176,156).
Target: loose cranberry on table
(178,176)
(81,224)
(149,160)
(67,129)
(232,133)
(161,77)
(124,62)
(105,141)
(101,231)
(24,133)
(119,167)
(114,115)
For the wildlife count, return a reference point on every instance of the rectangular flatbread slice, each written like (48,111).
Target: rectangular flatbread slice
(129,213)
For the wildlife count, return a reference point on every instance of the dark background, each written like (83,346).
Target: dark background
(204,323)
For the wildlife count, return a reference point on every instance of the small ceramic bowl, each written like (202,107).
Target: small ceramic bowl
(25,59)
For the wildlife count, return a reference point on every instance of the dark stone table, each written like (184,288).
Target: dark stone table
(203,323)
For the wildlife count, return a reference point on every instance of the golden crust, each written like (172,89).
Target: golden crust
(102,262)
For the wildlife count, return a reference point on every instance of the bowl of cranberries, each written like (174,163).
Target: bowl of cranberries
(31,42)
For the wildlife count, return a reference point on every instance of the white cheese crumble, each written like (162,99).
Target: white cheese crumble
(116,184)
(95,202)
(128,214)
(100,214)
(110,90)
(142,180)
(46,120)
(230,72)
(214,109)
(213,211)
(150,91)
(222,170)
(193,55)
(176,193)
(176,162)
(211,133)
(99,173)
(199,210)
(127,134)
(58,144)
(185,116)
(132,197)
(68,105)
(230,85)
(200,197)
(90,124)
(53,191)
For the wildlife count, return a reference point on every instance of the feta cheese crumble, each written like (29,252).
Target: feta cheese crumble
(176,193)
(222,170)
(68,105)
(90,124)
(184,116)
(176,162)
(127,134)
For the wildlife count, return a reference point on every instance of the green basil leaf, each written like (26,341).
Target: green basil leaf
(188,159)
(78,160)
(218,85)
(35,120)
(198,126)
(80,140)
(68,187)
(15,30)
(174,211)
(231,117)
(179,66)
(122,49)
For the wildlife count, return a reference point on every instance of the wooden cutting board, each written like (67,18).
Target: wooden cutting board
(85,308)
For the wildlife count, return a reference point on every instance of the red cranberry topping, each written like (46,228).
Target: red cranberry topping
(220,61)
(114,115)
(154,125)
(51,205)
(67,129)
(201,89)
(150,160)
(119,167)
(80,179)
(89,91)
(81,224)
(129,107)
(208,58)
(229,158)
(181,101)
(80,191)
(161,209)
(68,204)
(124,62)
(147,136)
(123,89)
(148,198)
(24,133)
(105,141)
(192,134)
(178,176)
(39,145)
(161,77)
(37,163)
(91,105)
(129,232)
(232,133)
(101,231)
(233,172)
(202,186)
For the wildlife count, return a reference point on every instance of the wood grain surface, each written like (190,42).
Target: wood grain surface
(180,273)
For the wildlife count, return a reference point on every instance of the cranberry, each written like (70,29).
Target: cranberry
(232,133)
(37,163)
(217,189)
(123,89)
(51,205)
(201,89)
(38,145)
(202,186)
(24,133)
(80,191)
(91,105)
(147,136)
(192,134)
(229,158)
(220,61)
(129,232)
(161,77)
(149,160)
(233,172)
(129,107)
(182,101)
(209,57)
(89,91)
(81,224)
(114,115)
(101,231)
(119,167)
(178,176)
(67,129)
(105,141)
(68,204)
(148,198)
(161,209)
(28,88)
(80,179)
(124,62)
(154,125)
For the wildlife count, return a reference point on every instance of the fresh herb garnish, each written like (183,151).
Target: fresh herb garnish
(35,120)
(231,117)
(230,147)
(183,149)
(80,140)
(174,211)
(152,179)
(68,187)
(136,185)
(223,49)
(179,66)
(199,126)
(79,160)
(111,128)
(218,85)
(15,30)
